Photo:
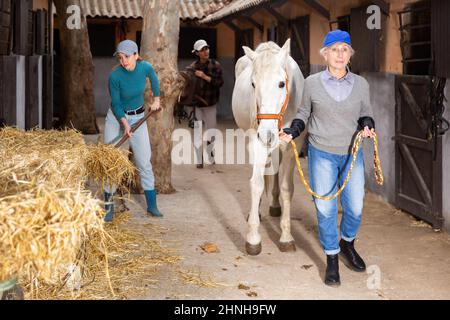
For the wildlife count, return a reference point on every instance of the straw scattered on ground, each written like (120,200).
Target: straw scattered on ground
(197,278)
(133,259)
(52,235)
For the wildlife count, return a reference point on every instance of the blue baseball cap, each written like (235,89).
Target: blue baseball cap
(337,36)
(127,47)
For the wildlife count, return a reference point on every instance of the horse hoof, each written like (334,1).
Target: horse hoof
(287,246)
(253,249)
(275,211)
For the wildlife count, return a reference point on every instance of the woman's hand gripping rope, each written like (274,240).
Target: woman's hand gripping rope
(356,146)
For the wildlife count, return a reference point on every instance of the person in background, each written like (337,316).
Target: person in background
(207,92)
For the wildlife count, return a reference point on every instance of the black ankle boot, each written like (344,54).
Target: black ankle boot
(332,277)
(350,257)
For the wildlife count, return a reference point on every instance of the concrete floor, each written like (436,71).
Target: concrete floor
(406,259)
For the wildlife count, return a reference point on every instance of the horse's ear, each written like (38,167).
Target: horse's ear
(287,46)
(249,53)
(285,51)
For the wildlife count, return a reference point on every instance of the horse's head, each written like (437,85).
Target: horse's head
(270,82)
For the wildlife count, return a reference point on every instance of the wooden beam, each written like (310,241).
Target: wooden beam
(279,3)
(416,174)
(384,6)
(47,117)
(40,26)
(8,86)
(259,26)
(277,15)
(232,26)
(32,92)
(319,8)
(22,27)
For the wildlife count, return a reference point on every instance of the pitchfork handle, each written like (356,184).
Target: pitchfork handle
(135,127)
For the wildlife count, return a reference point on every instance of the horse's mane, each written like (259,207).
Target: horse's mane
(270,45)
(266,51)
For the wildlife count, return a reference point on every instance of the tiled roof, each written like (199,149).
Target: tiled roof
(234,7)
(189,9)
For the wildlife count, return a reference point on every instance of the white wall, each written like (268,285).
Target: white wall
(103,67)
(382,97)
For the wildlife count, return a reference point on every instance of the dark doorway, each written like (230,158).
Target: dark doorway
(300,43)
(188,36)
(243,38)
(415,31)
(102,39)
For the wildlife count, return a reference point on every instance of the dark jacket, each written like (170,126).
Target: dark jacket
(209,92)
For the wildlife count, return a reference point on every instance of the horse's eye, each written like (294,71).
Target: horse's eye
(281,85)
(253,84)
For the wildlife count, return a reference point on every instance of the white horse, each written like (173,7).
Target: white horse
(266,79)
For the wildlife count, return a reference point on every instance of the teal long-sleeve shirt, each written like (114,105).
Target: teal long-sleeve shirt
(127,87)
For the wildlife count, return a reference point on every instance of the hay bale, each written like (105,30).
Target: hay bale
(54,157)
(42,229)
(61,158)
(46,214)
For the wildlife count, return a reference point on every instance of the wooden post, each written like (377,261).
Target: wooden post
(22,27)
(47,62)
(41,18)
(8,92)
(5,26)
(32,92)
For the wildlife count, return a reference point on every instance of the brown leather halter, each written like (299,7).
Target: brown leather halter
(279,116)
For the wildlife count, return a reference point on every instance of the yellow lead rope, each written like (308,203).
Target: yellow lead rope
(356,146)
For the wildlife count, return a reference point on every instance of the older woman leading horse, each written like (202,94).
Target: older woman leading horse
(266,95)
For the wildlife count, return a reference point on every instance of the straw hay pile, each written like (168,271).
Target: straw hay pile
(134,254)
(46,213)
(60,158)
(42,228)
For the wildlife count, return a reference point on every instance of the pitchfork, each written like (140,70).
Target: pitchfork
(135,127)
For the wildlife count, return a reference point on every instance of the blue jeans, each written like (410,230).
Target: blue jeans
(139,143)
(327,173)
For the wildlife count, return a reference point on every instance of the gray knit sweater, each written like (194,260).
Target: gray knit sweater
(331,124)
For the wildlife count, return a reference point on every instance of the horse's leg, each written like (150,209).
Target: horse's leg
(275,207)
(253,244)
(287,242)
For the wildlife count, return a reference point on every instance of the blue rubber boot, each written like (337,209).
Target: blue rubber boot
(152,208)
(109,207)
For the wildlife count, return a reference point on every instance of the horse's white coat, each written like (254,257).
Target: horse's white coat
(266,68)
